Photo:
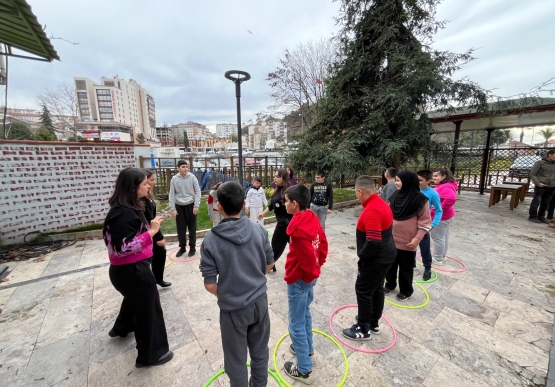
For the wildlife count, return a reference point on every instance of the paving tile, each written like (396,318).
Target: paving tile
(104,347)
(61,361)
(28,270)
(178,329)
(535,334)
(16,324)
(488,366)
(106,300)
(66,317)
(518,308)
(61,262)
(447,374)
(5,295)
(14,359)
(31,294)
(469,307)
(121,371)
(467,290)
(93,258)
(75,283)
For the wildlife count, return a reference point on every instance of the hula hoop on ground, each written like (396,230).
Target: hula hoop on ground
(169,264)
(333,251)
(320,333)
(173,259)
(222,371)
(357,348)
(448,270)
(412,306)
(433,279)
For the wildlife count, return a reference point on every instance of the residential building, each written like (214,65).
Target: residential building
(166,135)
(117,101)
(225,130)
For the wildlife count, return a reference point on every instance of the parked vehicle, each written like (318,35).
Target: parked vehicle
(522,165)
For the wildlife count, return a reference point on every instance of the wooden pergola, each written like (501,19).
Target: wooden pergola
(465,120)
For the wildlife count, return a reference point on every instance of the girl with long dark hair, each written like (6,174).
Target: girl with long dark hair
(159,244)
(277,204)
(128,237)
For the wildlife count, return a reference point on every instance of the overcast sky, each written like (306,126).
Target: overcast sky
(179,50)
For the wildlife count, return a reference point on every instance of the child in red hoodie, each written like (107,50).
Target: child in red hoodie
(308,249)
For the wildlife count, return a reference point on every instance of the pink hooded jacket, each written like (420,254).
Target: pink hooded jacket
(448,195)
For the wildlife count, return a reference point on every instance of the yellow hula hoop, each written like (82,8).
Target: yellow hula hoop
(276,369)
(412,306)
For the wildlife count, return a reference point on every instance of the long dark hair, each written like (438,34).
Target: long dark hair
(444,171)
(125,192)
(282,172)
(292,174)
(148,173)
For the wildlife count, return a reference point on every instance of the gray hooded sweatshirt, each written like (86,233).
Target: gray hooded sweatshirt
(234,254)
(184,190)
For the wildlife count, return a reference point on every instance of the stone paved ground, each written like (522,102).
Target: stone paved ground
(488,326)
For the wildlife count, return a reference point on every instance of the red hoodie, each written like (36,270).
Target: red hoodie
(308,248)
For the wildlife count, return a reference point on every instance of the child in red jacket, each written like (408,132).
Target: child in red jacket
(308,249)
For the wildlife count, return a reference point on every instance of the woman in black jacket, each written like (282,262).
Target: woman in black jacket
(277,204)
(159,244)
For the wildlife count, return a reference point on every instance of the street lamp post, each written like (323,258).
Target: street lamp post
(238,77)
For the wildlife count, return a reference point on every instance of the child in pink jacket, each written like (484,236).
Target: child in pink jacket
(446,187)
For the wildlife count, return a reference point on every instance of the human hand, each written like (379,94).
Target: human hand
(155,224)
(161,243)
(541,185)
(328,211)
(261,215)
(413,243)
(195,210)
(247,211)
(174,213)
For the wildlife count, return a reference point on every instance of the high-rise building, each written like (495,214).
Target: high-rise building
(117,101)
(225,130)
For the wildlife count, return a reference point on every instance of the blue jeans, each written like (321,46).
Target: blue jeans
(300,295)
(426,252)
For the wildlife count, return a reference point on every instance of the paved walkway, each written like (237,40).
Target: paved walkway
(488,326)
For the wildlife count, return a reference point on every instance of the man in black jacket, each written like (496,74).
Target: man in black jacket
(542,175)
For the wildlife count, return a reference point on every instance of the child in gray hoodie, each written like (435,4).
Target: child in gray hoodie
(235,257)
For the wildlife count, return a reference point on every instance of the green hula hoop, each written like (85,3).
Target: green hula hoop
(342,382)
(433,279)
(413,306)
(222,371)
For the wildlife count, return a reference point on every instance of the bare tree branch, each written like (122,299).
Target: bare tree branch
(65,40)
(62,103)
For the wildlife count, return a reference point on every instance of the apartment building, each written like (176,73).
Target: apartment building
(225,130)
(117,101)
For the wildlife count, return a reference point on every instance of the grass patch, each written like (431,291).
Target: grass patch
(343,195)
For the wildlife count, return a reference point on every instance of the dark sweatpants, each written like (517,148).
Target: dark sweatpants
(158,262)
(405,263)
(184,220)
(248,327)
(280,239)
(140,310)
(369,291)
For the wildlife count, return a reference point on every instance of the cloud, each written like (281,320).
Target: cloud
(180,50)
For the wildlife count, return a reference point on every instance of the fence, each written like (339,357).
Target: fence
(502,165)
(210,171)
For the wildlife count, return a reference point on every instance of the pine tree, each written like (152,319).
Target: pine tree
(141,138)
(46,121)
(378,93)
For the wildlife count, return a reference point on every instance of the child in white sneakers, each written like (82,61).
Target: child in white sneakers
(256,200)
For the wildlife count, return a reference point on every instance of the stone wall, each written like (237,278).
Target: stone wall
(56,186)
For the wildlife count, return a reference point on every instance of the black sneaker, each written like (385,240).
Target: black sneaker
(427,275)
(163,360)
(180,252)
(293,351)
(386,290)
(292,370)
(534,220)
(402,297)
(356,333)
(192,253)
(375,330)
(113,333)
(542,219)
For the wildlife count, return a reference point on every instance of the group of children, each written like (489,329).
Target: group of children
(235,258)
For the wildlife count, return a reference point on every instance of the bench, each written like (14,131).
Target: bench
(500,192)
(524,184)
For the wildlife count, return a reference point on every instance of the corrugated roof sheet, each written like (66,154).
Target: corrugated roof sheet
(20,28)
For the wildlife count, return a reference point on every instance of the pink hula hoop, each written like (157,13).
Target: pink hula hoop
(172,258)
(448,270)
(356,348)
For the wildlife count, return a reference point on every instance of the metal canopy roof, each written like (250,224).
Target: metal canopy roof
(543,114)
(19,28)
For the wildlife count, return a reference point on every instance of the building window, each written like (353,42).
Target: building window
(103,92)
(108,83)
(80,85)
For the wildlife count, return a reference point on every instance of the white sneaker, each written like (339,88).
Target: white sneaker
(438,260)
